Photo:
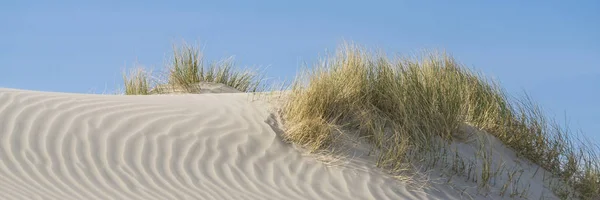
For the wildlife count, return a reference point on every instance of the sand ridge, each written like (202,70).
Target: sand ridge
(207,146)
(198,146)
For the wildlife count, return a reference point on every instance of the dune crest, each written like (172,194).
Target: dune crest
(208,146)
(199,88)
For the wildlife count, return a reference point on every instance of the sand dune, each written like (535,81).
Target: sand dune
(206,146)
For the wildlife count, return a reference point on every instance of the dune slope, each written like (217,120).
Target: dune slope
(207,146)
(200,146)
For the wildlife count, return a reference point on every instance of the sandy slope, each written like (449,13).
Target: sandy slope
(206,146)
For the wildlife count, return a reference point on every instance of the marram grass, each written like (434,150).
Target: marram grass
(187,69)
(403,106)
(137,82)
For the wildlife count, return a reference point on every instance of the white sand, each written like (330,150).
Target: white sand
(204,146)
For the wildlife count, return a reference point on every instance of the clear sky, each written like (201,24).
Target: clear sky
(551,49)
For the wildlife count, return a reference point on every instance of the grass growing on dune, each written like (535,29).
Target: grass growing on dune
(417,100)
(137,82)
(187,69)
(406,105)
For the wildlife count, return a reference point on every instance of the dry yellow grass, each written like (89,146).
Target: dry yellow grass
(403,106)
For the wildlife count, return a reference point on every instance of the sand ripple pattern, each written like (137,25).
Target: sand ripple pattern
(209,146)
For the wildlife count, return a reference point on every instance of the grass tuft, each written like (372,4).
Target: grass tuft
(137,82)
(188,69)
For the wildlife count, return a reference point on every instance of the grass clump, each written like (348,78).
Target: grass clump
(408,107)
(188,69)
(137,82)
(399,105)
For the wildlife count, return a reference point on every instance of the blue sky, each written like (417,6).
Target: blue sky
(550,49)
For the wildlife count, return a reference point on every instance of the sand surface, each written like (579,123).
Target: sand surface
(202,146)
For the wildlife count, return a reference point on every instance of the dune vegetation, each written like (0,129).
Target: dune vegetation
(187,69)
(137,82)
(408,108)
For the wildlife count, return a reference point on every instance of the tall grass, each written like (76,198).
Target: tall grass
(188,69)
(187,65)
(404,106)
(137,82)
